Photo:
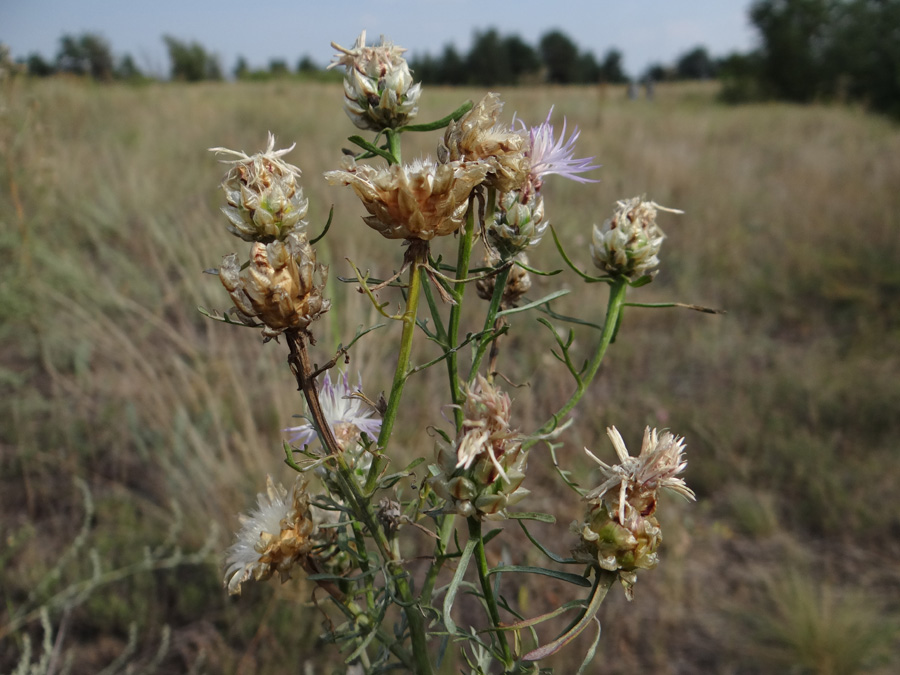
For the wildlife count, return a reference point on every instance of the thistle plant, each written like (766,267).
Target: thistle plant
(351,518)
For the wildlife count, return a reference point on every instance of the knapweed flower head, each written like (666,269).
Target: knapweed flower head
(481,473)
(378,87)
(548,155)
(620,531)
(275,537)
(518,224)
(628,244)
(421,200)
(478,137)
(348,415)
(518,282)
(264,199)
(282,285)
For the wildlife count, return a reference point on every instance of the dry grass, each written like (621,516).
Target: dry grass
(108,215)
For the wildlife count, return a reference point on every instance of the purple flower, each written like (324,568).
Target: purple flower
(551,156)
(348,415)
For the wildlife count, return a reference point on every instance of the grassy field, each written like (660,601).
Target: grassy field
(133,430)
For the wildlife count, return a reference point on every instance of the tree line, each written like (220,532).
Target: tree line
(821,50)
(808,50)
(492,60)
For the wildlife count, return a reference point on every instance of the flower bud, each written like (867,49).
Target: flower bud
(518,225)
(378,87)
(282,285)
(264,200)
(628,243)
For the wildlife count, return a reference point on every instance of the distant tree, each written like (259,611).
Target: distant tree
(128,70)
(795,40)
(488,61)
(588,70)
(278,68)
(306,65)
(523,59)
(452,67)
(863,64)
(38,66)
(657,72)
(611,68)
(87,54)
(560,57)
(739,75)
(695,65)
(191,62)
(241,68)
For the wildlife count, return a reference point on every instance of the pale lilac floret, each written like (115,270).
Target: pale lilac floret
(551,156)
(348,415)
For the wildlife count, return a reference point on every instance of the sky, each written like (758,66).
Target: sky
(645,31)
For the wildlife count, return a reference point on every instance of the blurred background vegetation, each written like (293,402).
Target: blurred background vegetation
(808,50)
(133,430)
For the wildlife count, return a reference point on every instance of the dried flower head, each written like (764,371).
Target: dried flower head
(282,285)
(517,283)
(275,537)
(481,473)
(422,200)
(518,225)
(347,414)
(478,137)
(264,200)
(628,243)
(620,531)
(378,87)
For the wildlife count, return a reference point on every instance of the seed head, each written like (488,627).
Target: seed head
(620,531)
(517,283)
(421,200)
(282,285)
(481,473)
(274,538)
(478,137)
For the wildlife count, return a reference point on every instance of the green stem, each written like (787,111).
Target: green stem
(418,251)
(462,271)
(361,505)
(393,139)
(363,509)
(447,523)
(484,342)
(613,312)
(487,589)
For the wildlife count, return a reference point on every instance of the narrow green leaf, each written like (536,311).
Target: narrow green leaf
(660,305)
(536,303)
(441,123)
(455,582)
(568,577)
(540,547)
(374,149)
(533,515)
(326,228)
(534,621)
(598,595)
